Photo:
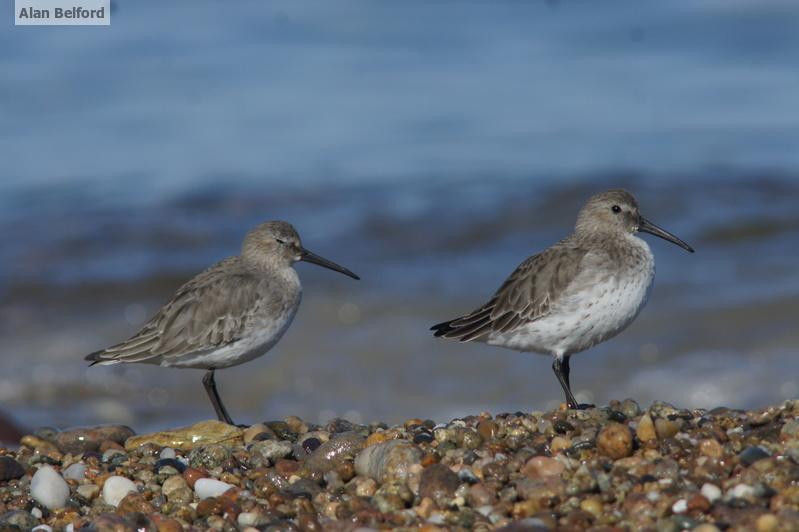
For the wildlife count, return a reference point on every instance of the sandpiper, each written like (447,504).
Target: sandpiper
(231,313)
(581,291)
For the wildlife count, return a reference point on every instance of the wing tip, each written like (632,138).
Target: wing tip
(441,329)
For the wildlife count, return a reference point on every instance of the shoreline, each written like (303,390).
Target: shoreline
(618,467)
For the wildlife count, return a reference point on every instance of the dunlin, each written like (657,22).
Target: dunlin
(583,290)
(231,313)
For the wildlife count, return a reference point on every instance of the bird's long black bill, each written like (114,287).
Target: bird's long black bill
(648,227)
(313,258)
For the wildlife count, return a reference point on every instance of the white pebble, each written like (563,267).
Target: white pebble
(37,513)
(167,452)
(69,528)
(209,487)
(247,519)
(115,489)
(48,488)
(680,507)
(711,492)
(75,472)
(44,528)
(741,491)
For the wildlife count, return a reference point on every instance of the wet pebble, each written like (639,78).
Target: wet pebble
(209,487)
(115,488)
(615,441)
(10,469)
(49,488)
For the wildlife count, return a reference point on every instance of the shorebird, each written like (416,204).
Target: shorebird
(581,291)
(231,313)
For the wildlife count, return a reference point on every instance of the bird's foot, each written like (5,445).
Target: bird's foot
(580,406)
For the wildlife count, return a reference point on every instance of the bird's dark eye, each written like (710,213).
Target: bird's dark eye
(280,241)
(616,209)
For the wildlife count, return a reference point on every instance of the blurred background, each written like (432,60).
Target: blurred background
(428,146)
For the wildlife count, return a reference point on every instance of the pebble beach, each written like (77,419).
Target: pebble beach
(620,467)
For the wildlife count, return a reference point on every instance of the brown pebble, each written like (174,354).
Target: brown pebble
(767,523)
(134,502)
(542,467)
(192,474)
(615,441)
(487,429)
(666,428)
(710,448)
(376,437)
(209,506)
(287,467)
(698,503)
(646,429)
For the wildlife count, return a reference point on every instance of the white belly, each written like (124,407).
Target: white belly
(580,320)
(261,340)
(262,333)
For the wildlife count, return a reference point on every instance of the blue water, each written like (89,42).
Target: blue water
(429,146)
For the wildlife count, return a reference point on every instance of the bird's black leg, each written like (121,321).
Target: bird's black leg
(213,395)
(562,369)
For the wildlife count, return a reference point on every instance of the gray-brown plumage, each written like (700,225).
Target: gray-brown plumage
(581,291)
(231,313)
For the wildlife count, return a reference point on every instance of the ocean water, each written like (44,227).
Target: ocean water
(428,146)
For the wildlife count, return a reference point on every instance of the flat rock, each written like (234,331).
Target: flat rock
(84,440)
(187,438)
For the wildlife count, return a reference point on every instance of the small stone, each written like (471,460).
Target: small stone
(742,491)
(10,469)
(680,506)
(209,456)
(615,441)
(698,503)
(258,432)
(192,474)
(387,461)
(646,429)
(49,488)
(539,467)
(711,448)
(209,487)
(177,491)
(750,455)
(630,408)
(790,431)
(115,488)
(706,527)
(77,441)
(334,451)
(198,435)
(560,443)
(309,445)
(423,437)
(711,492)
(439,483)
(167,453)
(172,463)
(488,429)
(75,471)
(134,502)
(267,452)
(592,505)
(17,520)
(767,523)
(376,437)
(88,491)
(666,428)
